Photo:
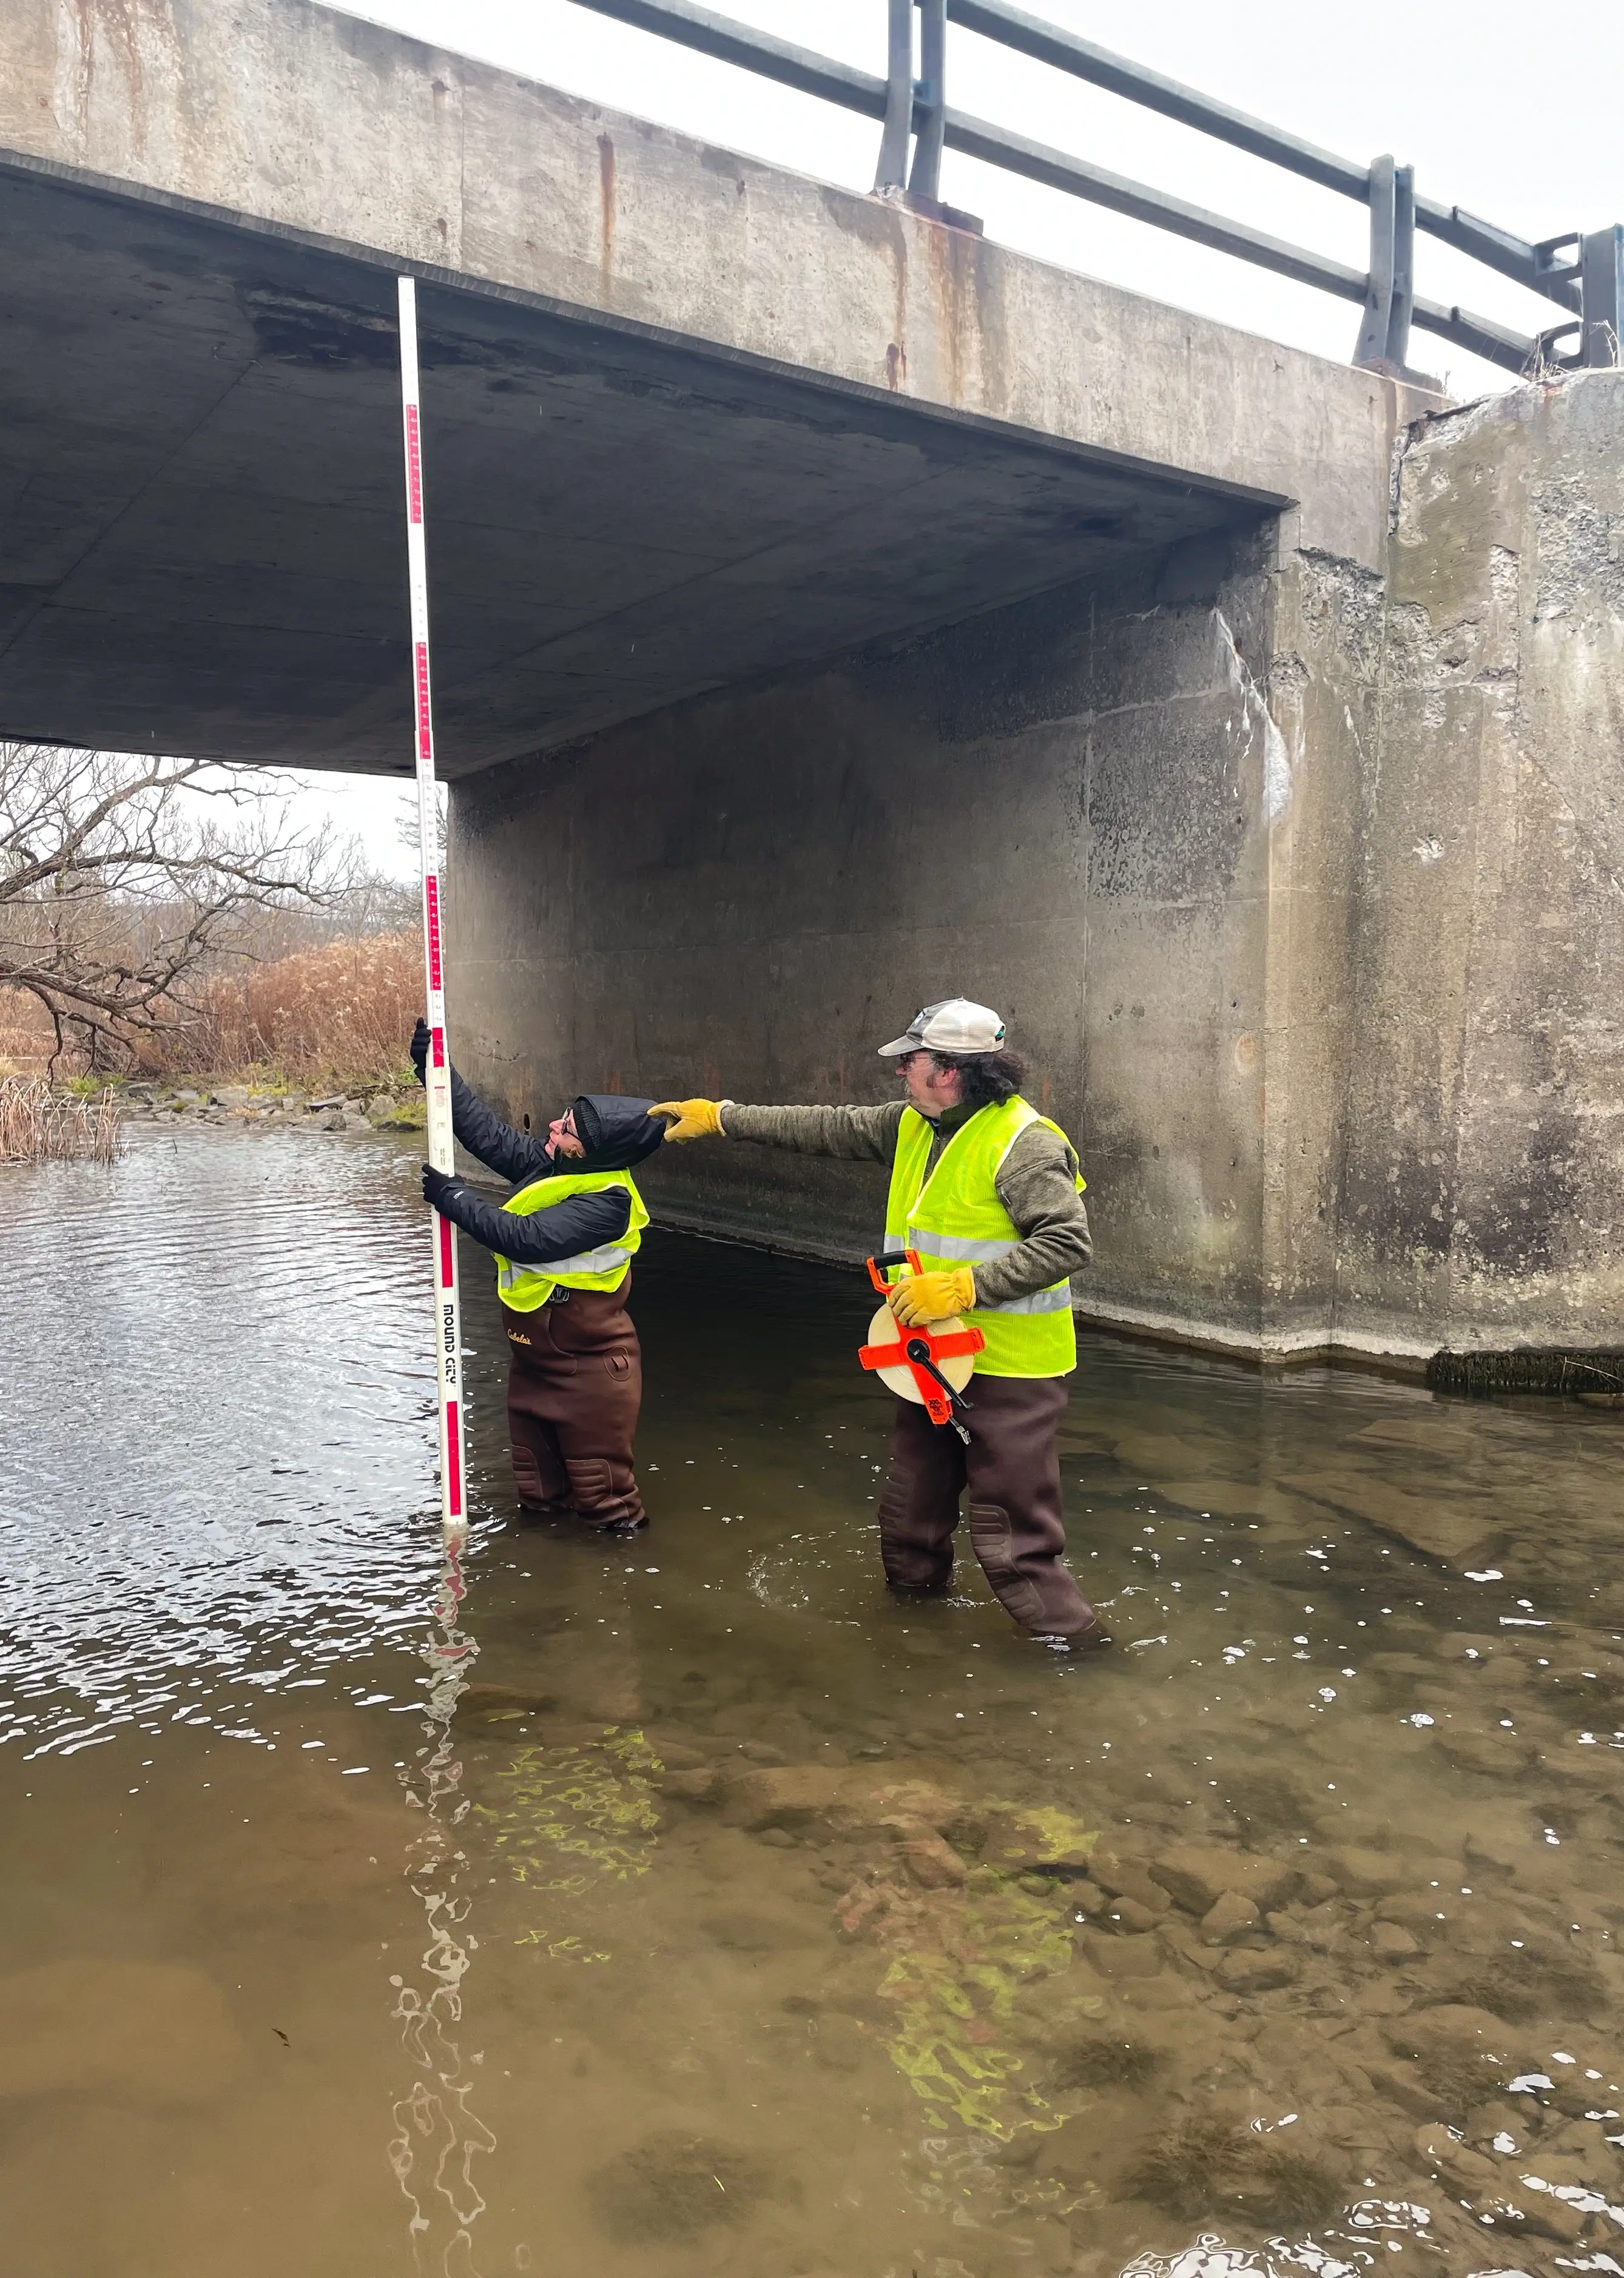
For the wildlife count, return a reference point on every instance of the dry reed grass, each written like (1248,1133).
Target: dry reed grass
(38,1125)
(339,1013)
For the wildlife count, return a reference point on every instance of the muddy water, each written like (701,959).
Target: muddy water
(692,1908)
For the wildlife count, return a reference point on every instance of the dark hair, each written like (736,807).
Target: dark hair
(990,1078)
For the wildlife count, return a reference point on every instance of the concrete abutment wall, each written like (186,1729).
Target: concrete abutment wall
(1299,883)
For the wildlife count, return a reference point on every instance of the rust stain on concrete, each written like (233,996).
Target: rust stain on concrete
(951,255)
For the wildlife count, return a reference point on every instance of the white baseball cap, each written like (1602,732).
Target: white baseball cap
(955,1025)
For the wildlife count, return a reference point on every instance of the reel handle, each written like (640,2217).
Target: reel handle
(880,1266)
(918,1350)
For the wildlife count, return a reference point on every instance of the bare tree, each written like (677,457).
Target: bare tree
(122,877)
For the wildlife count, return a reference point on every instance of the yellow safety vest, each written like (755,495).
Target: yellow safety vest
(954,1218)
(524,1288)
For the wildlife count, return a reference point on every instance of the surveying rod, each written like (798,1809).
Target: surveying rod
(437,1073)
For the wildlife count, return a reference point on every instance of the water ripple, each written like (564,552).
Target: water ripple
(175,1497)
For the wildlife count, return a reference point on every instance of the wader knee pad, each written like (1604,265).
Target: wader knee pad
(912,1560)
(993,1541)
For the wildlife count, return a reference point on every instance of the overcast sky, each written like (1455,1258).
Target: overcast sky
(1507,110)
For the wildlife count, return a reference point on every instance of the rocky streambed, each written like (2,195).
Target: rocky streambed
(1314,2031)
(741,1922)
(361,1108)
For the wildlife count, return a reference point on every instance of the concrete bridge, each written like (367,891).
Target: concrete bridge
(835,610)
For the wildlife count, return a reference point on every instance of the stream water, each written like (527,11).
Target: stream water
(689,1907)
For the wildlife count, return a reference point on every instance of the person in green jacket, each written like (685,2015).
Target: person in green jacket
(989,1193)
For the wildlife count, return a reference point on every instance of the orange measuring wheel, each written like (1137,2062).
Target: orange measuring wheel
(930,1364)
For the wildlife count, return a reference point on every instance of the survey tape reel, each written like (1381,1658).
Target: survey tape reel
(929,1364)
(887,1333)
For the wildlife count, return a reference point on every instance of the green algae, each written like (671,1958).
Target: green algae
(955,1997)
(1060,1834)
(576,1816)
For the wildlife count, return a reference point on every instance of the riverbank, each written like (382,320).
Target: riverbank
(395,1105)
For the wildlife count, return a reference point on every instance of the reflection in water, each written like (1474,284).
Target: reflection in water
(437,2135)
(818,1937)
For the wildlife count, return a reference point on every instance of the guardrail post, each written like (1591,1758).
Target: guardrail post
(1601,281)
(926,179)
(1403,302)
(892,172)
(1390,296)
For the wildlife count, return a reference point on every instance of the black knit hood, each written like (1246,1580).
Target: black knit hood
(616,1132)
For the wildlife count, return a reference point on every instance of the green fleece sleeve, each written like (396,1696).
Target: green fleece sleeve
(1036,1184)
(858,1134)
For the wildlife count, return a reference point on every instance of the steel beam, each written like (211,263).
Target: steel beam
(1601,278)
(854,90)
(930,109)
(1046,44)
(892,171)
(1497,248)
(1012,27)
(1390,298)
(1371,347)
(1511,351)
(710,34)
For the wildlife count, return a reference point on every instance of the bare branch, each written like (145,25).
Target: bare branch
(124,877)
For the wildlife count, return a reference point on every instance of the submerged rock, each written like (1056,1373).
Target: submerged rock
(1042,1839)
(1476,2031)
(1248,1969)
(933,1863)
(1435,1527)
(1198,1875)
(1232,1916)
(846,1798)
(1123,1876)
(1392,1941)
(1362,1874)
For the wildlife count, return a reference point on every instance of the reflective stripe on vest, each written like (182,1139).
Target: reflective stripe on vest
(964,1251)
(527,1287)
(969,1225)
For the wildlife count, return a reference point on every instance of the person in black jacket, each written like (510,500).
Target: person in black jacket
(575,1383)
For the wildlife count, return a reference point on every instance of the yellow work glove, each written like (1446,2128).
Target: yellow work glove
(932,1296)
(691,1118)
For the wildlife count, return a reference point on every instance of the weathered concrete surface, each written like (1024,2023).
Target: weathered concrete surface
(1299,885)
(1483,1187)
(1066,809)
(299,117)
(778,419)
(200,467)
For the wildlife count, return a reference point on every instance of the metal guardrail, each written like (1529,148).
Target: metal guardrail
(1582,272)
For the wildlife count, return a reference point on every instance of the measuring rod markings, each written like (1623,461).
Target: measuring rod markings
(437,1074)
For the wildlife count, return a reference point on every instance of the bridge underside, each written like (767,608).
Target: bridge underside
(832,611)
(203,549)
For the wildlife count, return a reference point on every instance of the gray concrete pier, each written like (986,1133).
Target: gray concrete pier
(835,610)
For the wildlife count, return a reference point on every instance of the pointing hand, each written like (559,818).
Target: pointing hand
(692,1118)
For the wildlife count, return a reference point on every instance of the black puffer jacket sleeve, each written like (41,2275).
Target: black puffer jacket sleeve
(579,1223)
(513,1155)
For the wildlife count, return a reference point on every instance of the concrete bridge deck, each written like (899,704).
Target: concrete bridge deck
(834,610)
(692,418)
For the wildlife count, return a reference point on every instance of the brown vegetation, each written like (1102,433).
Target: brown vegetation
(40,1125)
(337,1015)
